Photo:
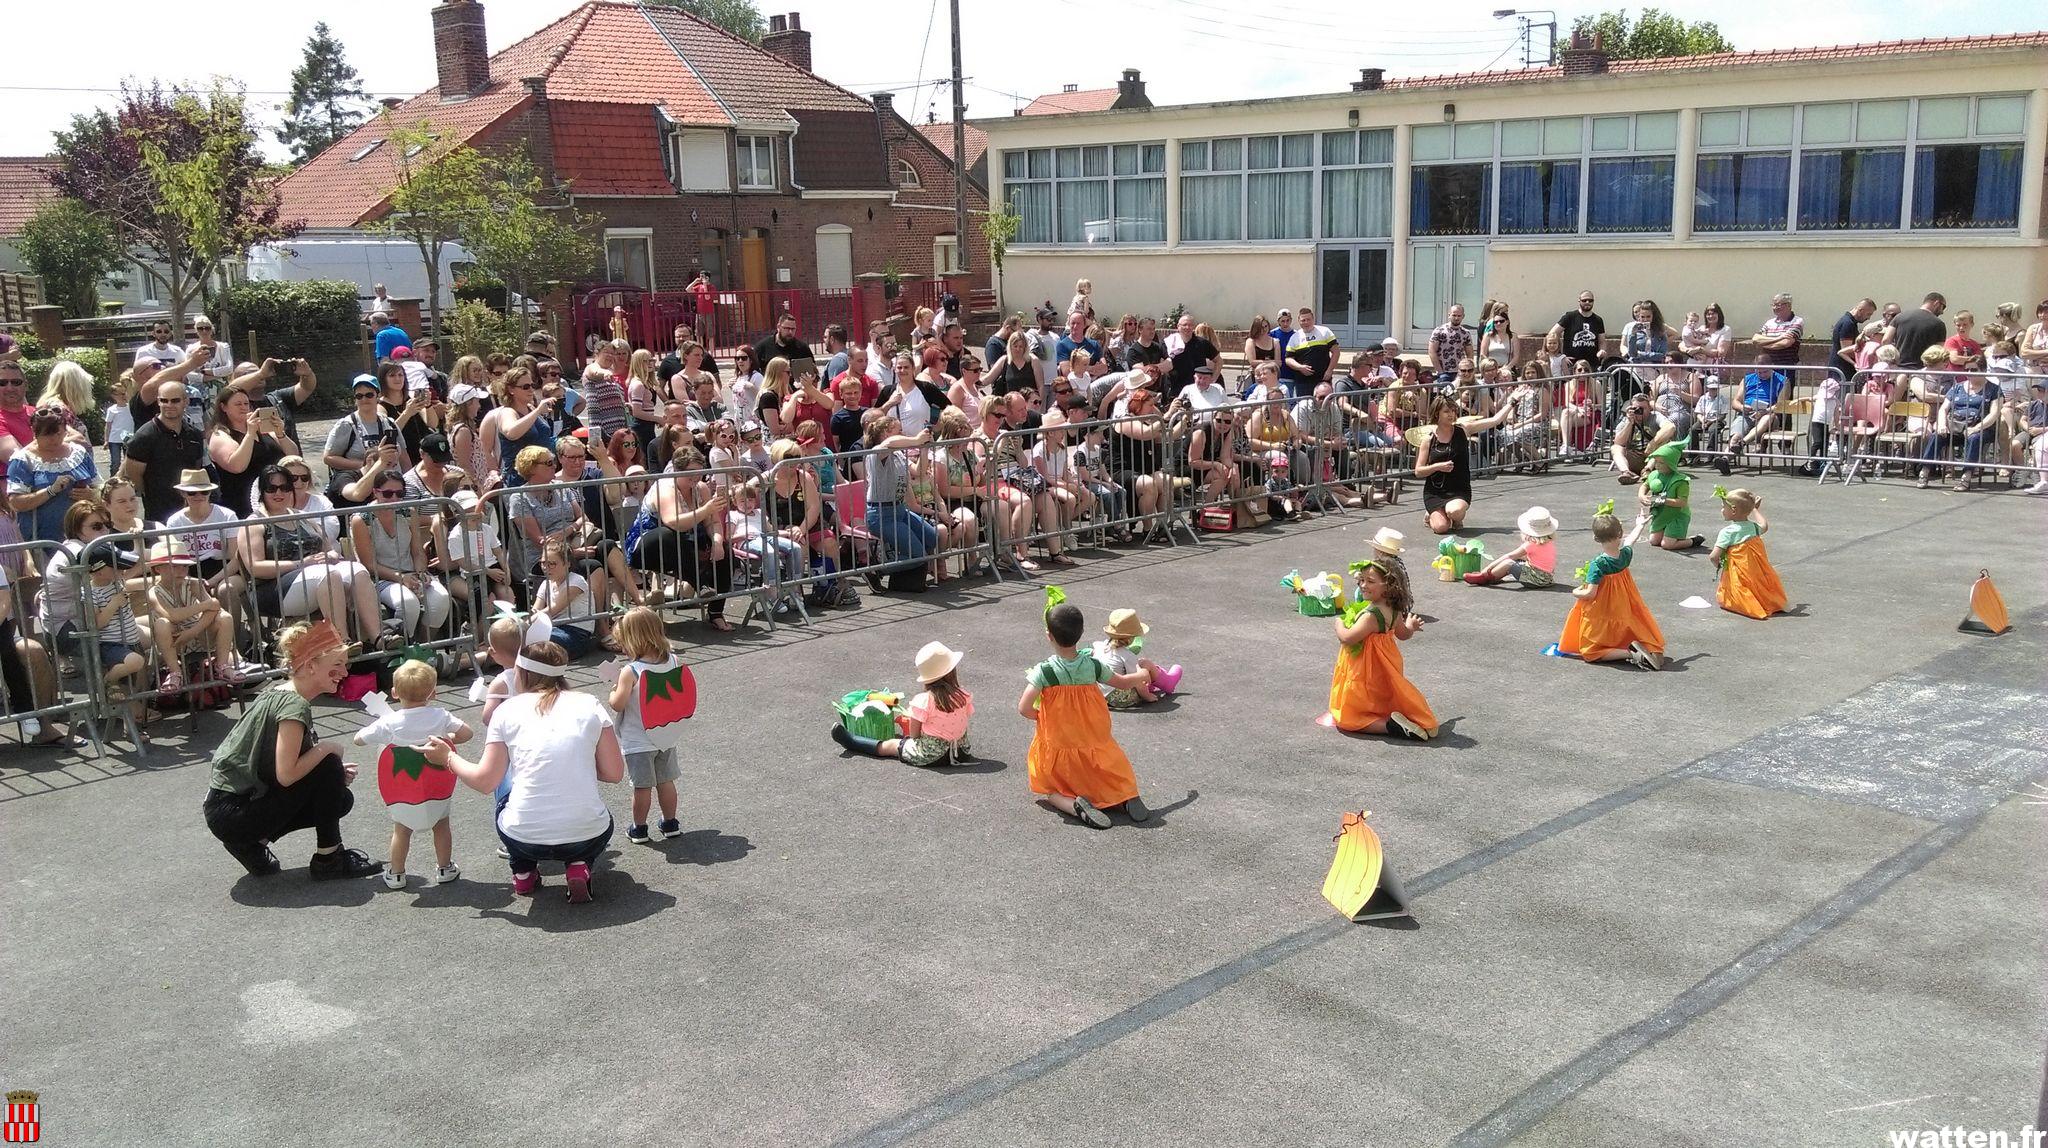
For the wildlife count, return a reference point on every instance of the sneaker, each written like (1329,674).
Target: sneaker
(1408,727)
(525,883)
(256,857)
(670,829)
(2040,487)
(504,852)
(1698,540)
(1642,656)
(1725,464)
(578,876)
(446,873)
(394,878)
(342,864)
(1136,811)
(1086,813)
(637,834)
(31,729)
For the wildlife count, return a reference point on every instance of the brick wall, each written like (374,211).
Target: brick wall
(929,207)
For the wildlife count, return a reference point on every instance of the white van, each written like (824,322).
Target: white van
(365,260)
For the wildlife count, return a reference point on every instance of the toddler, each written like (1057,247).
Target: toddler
(654,693)
(1369,690)
(1748,583)
(1082,304)
(120,423)
(1666,496)
(937,733)
(1534,562)
(503,642)
(1075,762)
(416,792)
(1608,620)
(1115,652)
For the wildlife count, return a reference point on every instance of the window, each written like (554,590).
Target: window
(1451,199)
(1259,188)
(1631,193)
(906,175)
(1094,194)
(363,152)
(945,256)
(629,256)
(1962,180)
(1358,184)
(1540,195)
(698,161)
(1748,186)
(757,163)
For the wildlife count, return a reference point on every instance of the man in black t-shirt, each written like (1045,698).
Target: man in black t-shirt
(1580,332)
(1847,333)
(1195,352)
(784,344)
(1917,330)
(159,454)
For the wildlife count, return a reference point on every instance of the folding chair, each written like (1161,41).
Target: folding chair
(1785,433)
(1899,431)
(850,500)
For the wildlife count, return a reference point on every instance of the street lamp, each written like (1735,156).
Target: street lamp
(1526,18)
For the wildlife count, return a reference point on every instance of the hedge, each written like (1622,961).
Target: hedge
(318,320)
(94,360)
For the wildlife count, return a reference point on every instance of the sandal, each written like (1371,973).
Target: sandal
(1023,563)
(719,624)
(1060,560)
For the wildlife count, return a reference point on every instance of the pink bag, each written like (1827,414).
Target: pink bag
(356,686)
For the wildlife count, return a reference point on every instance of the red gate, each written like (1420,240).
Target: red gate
(653,316)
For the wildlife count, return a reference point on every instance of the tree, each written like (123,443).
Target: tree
(71,249)
(176,175)
(1652,35)
(528,240)
(327,99)
(1000,225)
(439,197)
(740,17)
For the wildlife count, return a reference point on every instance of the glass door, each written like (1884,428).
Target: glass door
(1352,289)
(1440,274)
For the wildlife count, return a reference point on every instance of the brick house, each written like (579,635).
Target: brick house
(699,150)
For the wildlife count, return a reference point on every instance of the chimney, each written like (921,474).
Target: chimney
(462,56)
(1369,80)
(1586,56)
(786,38)
(1064,88)
(1130,92)
(884,104)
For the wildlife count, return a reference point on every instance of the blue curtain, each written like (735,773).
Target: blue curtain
(1539,198)
(1851,190)
(1998,185)
(1742,192)
(1968,185)
(1451,199)
(1630,194)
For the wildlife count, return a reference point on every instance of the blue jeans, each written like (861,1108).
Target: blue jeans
(575,642)
(904,536)
(526,856)
(1973,444)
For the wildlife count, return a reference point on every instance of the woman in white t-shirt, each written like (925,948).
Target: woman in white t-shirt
(550,746)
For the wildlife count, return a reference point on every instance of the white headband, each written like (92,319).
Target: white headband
(542,668)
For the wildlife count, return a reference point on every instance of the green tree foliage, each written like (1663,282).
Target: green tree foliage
(319,321)
(1652,35)
(1000,226)
(175,173)
(478,329)
(740,17)
(532,239)
(327,99)
(439,198)
(71,248)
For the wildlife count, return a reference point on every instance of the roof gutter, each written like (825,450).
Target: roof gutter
(794,126)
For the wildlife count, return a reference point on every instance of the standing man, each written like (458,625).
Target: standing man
(1311,354)
(782,344)
(427,355)
(1042,340)
(953,337)
(1449,343)
(1777,341)
(1075,339)
(540,347)
(998,344)
(160,350)
(388,337)
(380,300)
(835,347)
(1581,332)
(1847,333)
(704,303)
(881,356)
(161,452)
(1919,329)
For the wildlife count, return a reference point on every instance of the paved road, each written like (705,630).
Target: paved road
(1786,893)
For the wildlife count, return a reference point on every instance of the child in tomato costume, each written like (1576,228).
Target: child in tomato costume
(416,791)
(653,695)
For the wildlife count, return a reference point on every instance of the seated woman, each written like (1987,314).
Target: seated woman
(680,532)
(296,569)
(271,778)
(551,514)
(392,544)
(1213,461)
(545,753)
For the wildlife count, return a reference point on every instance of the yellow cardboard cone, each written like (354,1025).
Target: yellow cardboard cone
(1987,610)
(1360,885)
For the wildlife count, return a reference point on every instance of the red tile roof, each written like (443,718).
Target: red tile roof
(1060,103)
(1736,59)
(751,82)
(608,149)
(23,190)
(941,136)
(619,57)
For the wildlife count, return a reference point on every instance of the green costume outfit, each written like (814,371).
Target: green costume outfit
(1670,521)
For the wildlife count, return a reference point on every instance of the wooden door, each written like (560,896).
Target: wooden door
(754,281)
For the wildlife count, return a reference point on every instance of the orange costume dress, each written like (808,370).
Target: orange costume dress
(1368,684)
(1611,618)
(1072,752)
(1749,583)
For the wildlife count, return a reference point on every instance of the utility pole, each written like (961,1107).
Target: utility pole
(959,148)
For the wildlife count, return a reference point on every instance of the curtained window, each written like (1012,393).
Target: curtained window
(1851,190)
(1629,195)
(1539,197)
(1210,211)
(1740,192)
(1090,195)
(1962,186)
(1451,199)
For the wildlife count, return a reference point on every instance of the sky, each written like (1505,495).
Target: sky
(64,63)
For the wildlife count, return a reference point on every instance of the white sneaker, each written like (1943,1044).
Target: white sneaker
(2040,487)
(447,873)
(394,878)
(31,729)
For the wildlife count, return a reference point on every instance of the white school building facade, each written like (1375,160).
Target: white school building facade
(1886,169)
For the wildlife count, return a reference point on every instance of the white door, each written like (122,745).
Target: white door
(1440,274)
(835,256)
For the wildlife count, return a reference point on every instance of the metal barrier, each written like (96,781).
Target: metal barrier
(1134,461)
(47,568)
(1920,412)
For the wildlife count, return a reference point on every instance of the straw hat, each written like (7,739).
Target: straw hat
(1388,540)
(935,661)
(196,481)
(1536,522)
(161,554)
(1125,624)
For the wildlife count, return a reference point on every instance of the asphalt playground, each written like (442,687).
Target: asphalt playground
(1787,892)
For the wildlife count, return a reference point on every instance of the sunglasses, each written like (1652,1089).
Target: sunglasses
(301,479)
(390,495)
(522,386)
(273,488)
(13,382)
(99,524)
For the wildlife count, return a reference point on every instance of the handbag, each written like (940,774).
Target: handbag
(1024,478)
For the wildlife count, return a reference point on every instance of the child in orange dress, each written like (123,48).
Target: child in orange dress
(1609,621)
(1368,692)
(1075,764)
(1749,584)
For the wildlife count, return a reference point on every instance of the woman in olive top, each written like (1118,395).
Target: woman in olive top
(271,778)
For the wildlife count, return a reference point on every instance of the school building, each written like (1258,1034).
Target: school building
(1885,169)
